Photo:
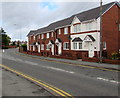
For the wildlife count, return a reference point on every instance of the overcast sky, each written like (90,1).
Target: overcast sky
(18,18)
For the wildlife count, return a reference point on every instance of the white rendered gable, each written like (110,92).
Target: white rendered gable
(75,20)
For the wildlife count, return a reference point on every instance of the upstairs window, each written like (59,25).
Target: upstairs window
(65,30)
(51,34)
(66,46)
(48,35)
(77,28)
(34,37)
(42,37)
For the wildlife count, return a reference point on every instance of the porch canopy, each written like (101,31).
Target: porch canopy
(77,39)
(50,42)
(35,43)
(58,40)
(89,38)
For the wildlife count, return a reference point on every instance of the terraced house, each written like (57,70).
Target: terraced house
(79,35)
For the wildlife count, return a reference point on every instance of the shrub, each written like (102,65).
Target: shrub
(24,47)
(115,56)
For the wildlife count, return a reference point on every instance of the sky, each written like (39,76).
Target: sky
(18,17)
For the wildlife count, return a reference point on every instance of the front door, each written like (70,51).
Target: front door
(56,50)
(91,49)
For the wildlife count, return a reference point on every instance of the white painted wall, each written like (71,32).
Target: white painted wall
(28,44)
(39,48)
(52,49)
(85,45)
(94,25)
(33,48)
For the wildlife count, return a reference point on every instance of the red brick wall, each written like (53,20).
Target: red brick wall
(111,35)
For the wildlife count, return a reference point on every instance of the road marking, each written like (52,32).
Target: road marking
(86,66)
(113,81)
(58,69)
(29,62)
(58,91)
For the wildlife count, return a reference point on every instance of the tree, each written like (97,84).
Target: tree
(4,38)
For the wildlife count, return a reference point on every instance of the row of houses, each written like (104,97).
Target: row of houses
(79,35)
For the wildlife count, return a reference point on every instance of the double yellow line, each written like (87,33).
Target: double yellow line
(48,87)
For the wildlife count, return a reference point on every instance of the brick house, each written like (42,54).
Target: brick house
(79,35)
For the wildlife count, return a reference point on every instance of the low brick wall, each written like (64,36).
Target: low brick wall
(90,59)
(64,57)
(110,61)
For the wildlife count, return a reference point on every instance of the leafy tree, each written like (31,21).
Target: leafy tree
(4,38)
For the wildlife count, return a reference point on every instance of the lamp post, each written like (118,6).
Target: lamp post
(101,31)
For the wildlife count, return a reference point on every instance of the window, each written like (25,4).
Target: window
(48,35)
(42,36)
(47,47)
(104,45)
(65,30)
(39,36)
(74,45)
(51,34)
(42,46)
(34,37)
(119,27)
(80,45)
(77,28)
(66,45)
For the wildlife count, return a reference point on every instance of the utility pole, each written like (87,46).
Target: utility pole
(101,46)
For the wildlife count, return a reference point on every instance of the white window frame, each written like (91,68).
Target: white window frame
(48,35)
(66,30)
(79,43)
(104,46)
(51,34)
(42,36)
(75,46)
(47,47)
(34,37)
(59,31)
(119,27)
(77,28)
(66,47)
(42,46)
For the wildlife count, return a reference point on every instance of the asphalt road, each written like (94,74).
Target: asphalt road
(77,81)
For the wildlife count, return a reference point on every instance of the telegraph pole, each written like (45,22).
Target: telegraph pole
(101,46)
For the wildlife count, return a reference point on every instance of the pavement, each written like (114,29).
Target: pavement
(13,85)
(77,62)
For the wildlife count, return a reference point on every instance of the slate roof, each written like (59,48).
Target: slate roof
(83,16)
